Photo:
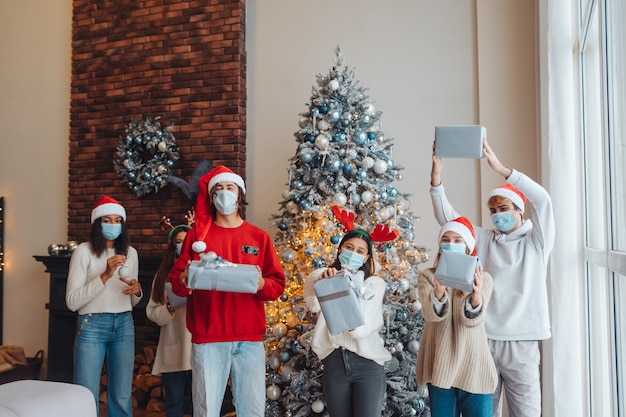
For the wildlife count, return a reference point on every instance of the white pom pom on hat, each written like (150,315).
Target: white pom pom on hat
(107,206)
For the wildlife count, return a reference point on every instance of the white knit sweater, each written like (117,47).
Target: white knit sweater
(365,340)
(85,291)
(453,349)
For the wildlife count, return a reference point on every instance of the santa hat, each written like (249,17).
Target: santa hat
(203,215)
(463,227)
(220,174)
(506,190)
(107,206)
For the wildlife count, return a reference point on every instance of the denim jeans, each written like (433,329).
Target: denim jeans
(213,363)
(110,336)
(451,402)
(174,384)
(353,385)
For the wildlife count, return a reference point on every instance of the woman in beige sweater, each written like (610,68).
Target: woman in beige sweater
(454,358)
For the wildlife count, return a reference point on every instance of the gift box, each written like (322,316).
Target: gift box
(460,141)
(174,300)
(456,270)
(223,277)
(339,303)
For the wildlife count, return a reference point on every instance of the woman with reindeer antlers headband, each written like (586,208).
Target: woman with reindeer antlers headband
(354,377)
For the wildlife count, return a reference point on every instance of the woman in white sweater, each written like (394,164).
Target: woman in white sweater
(454,358)
(173,353)
(354,377)
(102,286)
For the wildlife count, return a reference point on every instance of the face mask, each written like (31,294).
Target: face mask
(111,231)
(179,247)
(225,202)
(453,247)
(504,221)
(351,259)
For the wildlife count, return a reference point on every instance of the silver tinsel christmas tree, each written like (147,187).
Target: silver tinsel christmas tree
(344,159)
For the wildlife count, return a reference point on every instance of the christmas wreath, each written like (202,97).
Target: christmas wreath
(145,156)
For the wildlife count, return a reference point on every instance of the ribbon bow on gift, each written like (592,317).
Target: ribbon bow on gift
(357,279)
(211,260)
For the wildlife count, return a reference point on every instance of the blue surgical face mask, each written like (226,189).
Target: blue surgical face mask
(225,202)
(179,247)
(351,259)
(504,221)
(111,231)
(453,247)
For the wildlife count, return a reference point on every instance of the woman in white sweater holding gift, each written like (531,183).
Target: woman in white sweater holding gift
(454,358)
(173,353)
(354,380)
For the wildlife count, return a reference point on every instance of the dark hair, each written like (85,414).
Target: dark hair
(99,242)
(241,203)
(160,276)
(368,267)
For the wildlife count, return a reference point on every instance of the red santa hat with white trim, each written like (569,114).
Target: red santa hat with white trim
(209,180)
(507,190)
(463,227)
(107,206)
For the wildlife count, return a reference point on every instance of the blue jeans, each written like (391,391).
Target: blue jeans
(213,363)
(110,336)
(353,385)
(451,402)
(174,384)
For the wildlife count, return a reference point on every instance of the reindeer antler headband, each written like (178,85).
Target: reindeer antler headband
(381,233)
(165,223)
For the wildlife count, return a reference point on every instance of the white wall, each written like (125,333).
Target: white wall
(35,53)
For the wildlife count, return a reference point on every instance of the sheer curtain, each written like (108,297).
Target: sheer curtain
(564,354)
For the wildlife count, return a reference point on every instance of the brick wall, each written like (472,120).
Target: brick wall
(182,61)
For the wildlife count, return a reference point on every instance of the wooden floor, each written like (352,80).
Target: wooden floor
(137,412)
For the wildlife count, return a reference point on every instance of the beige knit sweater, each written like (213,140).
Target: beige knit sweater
(453,349)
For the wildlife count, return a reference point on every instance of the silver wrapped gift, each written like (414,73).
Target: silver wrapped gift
(174,300)
(463,141)
(339,303)
(456,270)
(223,276)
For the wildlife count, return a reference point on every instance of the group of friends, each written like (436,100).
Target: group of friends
(475,345)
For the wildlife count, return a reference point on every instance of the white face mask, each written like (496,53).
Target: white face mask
(225,202)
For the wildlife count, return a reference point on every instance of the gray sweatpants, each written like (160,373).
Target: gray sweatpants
(517,363)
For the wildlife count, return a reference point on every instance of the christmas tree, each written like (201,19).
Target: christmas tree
(343,159)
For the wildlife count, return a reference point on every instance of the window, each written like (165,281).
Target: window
(602,41)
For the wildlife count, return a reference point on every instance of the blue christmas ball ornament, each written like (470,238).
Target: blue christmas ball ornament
(324,109)
(361,175)
(306,155)
(304,204)
(170,163)
(392,192)
(401,315)
(334,116)
(333,164)
(355,198)
(360,137)
(371,135)
(318,263)
(334,239)
(345,122)
(298,183)
(384,196)
(282,226)
(311,138)
(284,297)
(347,168)
(131,175)
(284,356)
(299,328)
(365,119)
(419,405)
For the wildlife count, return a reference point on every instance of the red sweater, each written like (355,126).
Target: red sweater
(214,316)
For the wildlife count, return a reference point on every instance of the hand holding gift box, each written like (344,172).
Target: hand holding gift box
(338,297)
(212,272)
(456,270)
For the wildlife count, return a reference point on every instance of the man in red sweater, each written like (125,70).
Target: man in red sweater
(227,327)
